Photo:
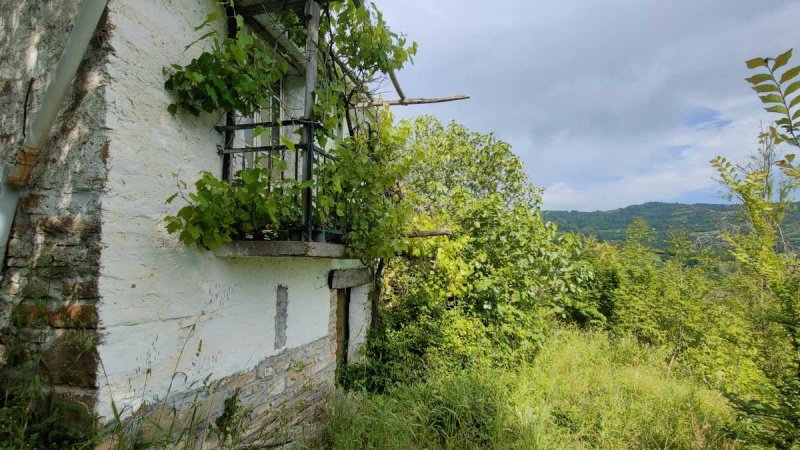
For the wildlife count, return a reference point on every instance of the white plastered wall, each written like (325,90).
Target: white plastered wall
(160,299)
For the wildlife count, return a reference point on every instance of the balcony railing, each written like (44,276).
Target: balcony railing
(299,165)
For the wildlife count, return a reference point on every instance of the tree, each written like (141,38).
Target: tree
(760,249)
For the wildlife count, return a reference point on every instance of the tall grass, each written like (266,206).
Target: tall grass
(585,390)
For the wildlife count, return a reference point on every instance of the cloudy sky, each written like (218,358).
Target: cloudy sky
(608,102)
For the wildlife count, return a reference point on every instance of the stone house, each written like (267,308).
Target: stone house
(110,304)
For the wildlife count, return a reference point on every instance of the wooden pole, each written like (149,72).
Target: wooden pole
(230,121)
(412,101)
(430,233)
(312,42)
(396,84)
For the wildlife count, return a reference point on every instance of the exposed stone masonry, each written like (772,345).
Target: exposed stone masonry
(49,294)
(281,395)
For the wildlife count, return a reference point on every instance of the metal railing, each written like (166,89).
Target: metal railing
(299,165)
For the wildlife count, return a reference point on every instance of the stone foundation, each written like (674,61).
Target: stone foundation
(280,397)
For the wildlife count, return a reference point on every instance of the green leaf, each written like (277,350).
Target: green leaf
(766,88)
(203,37)
(759,78)
(756,62)
(782,59)
(771,98)
(790,74)
(792,88)
(211,17)
(780,109)
(794,102)
(288,143)
(260,131)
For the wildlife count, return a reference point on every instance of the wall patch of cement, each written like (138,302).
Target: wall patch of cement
(281,313)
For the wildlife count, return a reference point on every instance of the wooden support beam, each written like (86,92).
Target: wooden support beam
(272,6)
(430,233)
(347,278)
(412,101)
(400,93)
(313,15)
(265,249)
(290,52)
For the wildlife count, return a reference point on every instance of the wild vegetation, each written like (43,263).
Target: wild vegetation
(716,328)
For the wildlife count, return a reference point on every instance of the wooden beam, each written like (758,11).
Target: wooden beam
(272,6)
(412,101)
(347,278)
(313,15)
(430,233)
(396,84)
(263,249)
(293,55)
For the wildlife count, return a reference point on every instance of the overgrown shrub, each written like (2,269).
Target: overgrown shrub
(482,296)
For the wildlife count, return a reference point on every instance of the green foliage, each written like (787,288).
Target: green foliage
(482,295)
(236,74)
(583,390)
(31,419)
(773,279)
(254,203)
(362,186)
(232,423)
(361,37)
(777,83)
(240,74)
(677,300)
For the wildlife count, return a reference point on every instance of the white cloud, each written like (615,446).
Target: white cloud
(594,96)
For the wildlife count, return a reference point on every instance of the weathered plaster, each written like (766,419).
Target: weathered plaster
(167,308)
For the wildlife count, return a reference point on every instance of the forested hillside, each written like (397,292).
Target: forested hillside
(703,221)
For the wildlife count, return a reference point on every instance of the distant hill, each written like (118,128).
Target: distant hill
(702,221)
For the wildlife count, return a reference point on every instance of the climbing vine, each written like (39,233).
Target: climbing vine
(257,205)
(359,186)
(237,74)
(252,205)
(363,186)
